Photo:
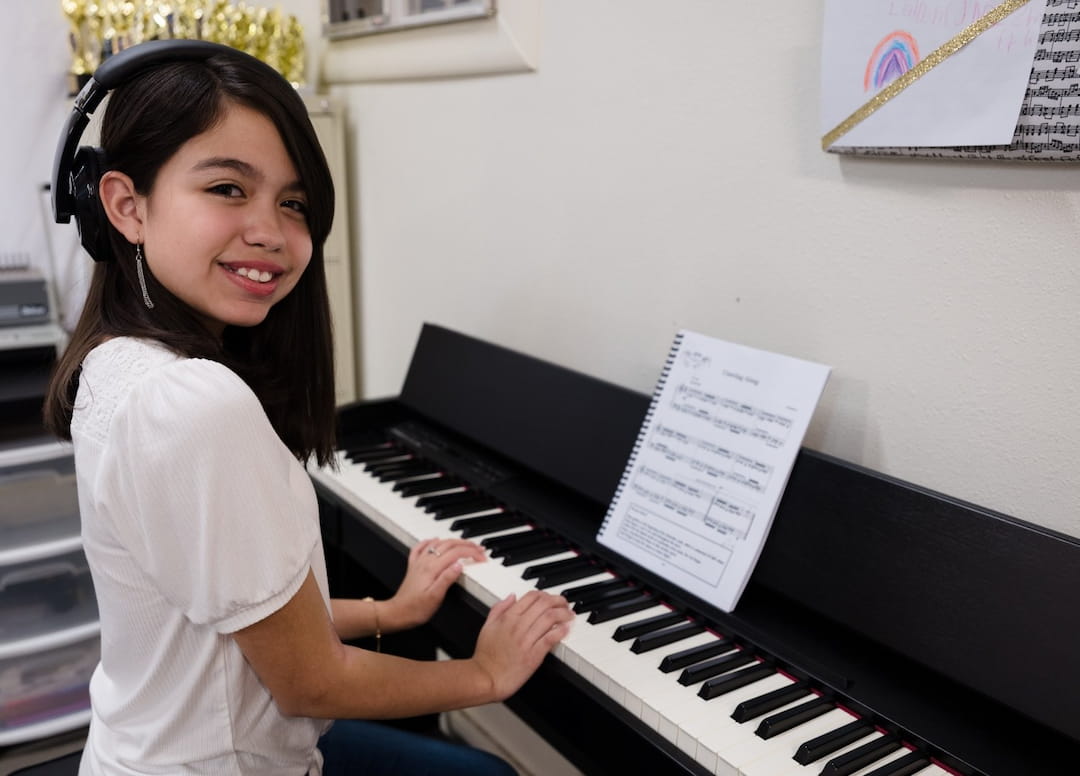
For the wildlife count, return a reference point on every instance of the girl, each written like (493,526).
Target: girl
(197,383)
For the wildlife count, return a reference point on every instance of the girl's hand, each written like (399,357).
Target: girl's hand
(434,565)
(517,635)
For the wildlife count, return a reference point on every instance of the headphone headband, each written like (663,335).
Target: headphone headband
(112,72)
(77,170)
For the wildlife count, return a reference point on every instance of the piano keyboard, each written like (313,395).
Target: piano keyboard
(729,710)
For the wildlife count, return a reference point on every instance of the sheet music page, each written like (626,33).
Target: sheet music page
(1048,128)
(710,464)
(972,98)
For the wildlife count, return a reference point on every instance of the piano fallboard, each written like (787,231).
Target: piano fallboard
(940,622)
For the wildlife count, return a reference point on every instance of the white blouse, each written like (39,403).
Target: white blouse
(196,521)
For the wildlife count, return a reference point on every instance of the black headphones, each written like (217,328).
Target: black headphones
(77,169)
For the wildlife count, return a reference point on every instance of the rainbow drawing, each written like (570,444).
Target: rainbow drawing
(894,55)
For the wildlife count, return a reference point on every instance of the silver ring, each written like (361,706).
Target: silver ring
(431,550)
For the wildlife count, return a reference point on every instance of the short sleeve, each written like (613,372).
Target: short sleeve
(202,492)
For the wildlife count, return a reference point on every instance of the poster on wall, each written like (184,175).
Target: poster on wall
(952,78)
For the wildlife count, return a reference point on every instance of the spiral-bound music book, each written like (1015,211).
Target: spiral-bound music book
(710,463)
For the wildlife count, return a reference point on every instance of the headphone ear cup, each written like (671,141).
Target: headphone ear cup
(88,167)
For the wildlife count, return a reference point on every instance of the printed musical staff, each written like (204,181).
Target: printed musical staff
(711,459)
(1048,123)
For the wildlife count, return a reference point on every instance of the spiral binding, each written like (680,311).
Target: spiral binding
(646,423)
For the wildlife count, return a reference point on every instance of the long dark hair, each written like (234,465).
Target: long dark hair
(287,359)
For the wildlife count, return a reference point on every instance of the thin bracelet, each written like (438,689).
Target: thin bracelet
(378,630)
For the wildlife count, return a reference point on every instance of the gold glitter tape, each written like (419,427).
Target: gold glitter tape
(935,58)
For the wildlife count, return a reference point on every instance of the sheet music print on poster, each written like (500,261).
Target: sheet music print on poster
(710,464)
(1048,127)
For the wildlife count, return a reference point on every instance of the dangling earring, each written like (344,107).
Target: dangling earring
(142,278)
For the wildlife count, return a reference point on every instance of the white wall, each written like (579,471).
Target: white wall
(663,171)
(34,57)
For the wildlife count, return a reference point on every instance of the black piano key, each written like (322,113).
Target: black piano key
(699,672)
(563,577)
(688,657)
(382,454)
(404,472)
(413,463)
(363,440)
(770,701)
(374,468)
(657,639)
(430,485)
(619,609)
(593,589)
(593,602)
(516,539)
(440,501)
(370,452)
(733,680)
(394,476)
(416,464)
(390,461)
(518,555)
(630,630)
(861,756)
(428,503)
(570,564)
(486,524)
(447,511)
(792,718)
(902,766)
(371,445)
(529,540)
(827,743)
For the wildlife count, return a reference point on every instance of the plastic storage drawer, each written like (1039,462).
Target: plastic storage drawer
(39,505)
(42,596)
(48,691)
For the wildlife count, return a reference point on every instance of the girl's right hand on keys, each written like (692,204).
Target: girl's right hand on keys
(517,635)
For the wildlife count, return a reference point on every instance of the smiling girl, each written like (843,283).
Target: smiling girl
(197,384)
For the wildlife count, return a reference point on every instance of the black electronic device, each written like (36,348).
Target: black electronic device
(941,633)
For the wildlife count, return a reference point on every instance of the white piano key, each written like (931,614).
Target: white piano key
(709,726)
(519,568)
(717,739)
(409,523)
(491,581)
(673,709)
(676,708)
(645,687)
(589,649)
(569,650)
(696,727)
(382,502)
(657,696)
(594,646)
(702,729)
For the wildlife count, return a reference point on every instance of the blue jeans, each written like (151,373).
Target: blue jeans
(359,748)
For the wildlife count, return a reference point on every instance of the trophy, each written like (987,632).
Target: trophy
(101,28)
(81,67)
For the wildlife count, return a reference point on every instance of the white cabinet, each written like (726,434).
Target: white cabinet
(49,632)
(328,120)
